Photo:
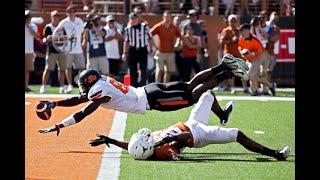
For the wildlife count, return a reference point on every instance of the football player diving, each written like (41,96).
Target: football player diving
(168,144)
(111,94)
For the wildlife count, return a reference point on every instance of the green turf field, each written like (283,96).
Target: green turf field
(228,161)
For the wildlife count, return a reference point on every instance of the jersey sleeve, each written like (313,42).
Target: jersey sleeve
(98,91)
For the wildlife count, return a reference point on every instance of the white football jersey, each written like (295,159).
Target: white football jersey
(123,98)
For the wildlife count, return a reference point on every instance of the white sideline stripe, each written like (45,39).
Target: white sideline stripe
(256,98)
(110,164)
(27,103)
(253,98)
(50,95)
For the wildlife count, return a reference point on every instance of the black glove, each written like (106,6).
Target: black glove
(102,140)
(50,104)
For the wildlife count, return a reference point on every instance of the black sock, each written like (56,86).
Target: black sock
(218,69)
(222,76)
(221,114)
(269,152)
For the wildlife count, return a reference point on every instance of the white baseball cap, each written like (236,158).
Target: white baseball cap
(231,16)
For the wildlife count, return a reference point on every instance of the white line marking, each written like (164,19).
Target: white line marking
(259,132)
(110,164)
(27,103)
(250,98)
(50,95)
(256,98)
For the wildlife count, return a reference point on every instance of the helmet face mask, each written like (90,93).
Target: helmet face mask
(87,79)
(141,145)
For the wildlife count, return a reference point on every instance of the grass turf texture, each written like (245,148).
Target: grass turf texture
(227,161)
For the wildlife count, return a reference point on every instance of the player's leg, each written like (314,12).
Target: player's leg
(207,102)
(61,63)
(201,111)
(50,63)
(253,146)
(210,84)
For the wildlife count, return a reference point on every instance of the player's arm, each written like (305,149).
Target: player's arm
(106,140)
(181,138)
(77,117)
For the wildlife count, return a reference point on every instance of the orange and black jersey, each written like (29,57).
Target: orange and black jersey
(171,151)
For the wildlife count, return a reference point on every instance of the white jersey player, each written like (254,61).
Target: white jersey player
(108,93)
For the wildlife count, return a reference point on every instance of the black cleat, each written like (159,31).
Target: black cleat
(283,154)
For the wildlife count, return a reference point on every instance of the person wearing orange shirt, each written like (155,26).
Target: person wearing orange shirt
(229,41)
(252,50)
(169,143)
(165,57)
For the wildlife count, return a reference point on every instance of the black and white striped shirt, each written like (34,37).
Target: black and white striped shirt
(137,36)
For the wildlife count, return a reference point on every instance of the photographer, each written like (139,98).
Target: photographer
(94,37)
(73,27)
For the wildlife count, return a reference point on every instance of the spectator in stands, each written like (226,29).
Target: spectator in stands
(252,50)
(93,38)
(30,30)
(86,3)
(273,38)
(229,6)
(165,57)
(53,57)
(177,49)
(229,41)
(263,32)
(151,6)
(190,48)
(73,27)
(203,57)
(113,36)
(137,10)
(137,37)
(200,5)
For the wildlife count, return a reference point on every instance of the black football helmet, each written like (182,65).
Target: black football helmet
(87,79)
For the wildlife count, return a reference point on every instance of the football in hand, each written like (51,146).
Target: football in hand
(42,111)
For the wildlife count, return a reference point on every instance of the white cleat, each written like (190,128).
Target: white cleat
(61,90)
(69,89)
(42,89)
(241,74)
(234,63)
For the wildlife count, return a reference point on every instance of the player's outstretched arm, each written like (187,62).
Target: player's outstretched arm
(106,140)
(77,117)
(72,101)
(181,138)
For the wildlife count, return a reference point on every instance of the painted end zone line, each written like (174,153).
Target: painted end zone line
(110,163)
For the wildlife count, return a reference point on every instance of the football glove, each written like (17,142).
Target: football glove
(50,129)
(102,140)
(50,104)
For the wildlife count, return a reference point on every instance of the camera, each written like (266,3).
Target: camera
(88,22)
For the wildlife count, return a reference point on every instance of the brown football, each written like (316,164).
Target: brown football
(42,111)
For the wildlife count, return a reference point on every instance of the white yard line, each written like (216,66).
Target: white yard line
(110,164)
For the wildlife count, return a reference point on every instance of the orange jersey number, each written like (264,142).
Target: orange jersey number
(124,89)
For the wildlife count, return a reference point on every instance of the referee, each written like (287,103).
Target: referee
(137,37)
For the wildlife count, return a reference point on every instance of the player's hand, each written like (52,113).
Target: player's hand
(101,140)
(50,104)
(50,129)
